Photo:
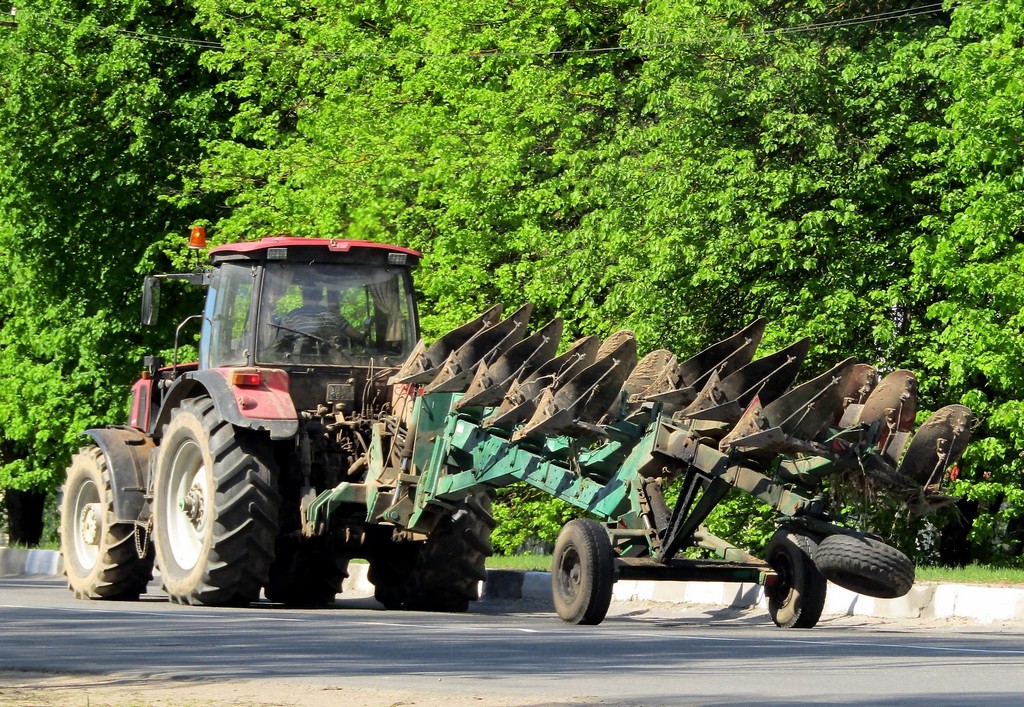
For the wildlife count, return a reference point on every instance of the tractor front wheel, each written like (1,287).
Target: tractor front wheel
(101,556)
(582,572)
(442,573)
(214,508)
(306,571)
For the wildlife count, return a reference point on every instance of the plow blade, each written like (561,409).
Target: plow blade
(894,399)
(583,399)
(766,378)
(723,357)
(520,403)
(890,409)
(797,417)
(482,348)
(718,360)
(657,373)
(862,381)
(938,444)
(531,393)
(493,381)
(425,362)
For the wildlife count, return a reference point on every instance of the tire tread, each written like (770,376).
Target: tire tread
(865,566)
(245,503)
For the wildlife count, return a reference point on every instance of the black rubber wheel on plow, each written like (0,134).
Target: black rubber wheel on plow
(582,573)
(865,565)
(797,598)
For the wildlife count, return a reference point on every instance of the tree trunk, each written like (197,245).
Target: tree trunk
(954,545)
(24,516)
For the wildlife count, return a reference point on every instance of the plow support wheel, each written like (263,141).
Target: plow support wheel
(582,573)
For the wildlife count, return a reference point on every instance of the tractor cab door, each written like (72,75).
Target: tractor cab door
(227,336)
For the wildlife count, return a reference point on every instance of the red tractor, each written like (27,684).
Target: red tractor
(220,458)
(316,428)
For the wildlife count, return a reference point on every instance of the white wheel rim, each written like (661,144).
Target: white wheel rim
(186,505)
(88,525)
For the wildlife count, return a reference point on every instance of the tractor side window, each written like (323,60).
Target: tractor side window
(226,327)
(387,315)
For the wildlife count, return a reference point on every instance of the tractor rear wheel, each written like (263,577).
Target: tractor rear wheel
(582,573)
(214,508)
(797,598)
(101,556)
(865,566)
(442,573)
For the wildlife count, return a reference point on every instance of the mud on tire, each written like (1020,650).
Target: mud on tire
(101,556)
(214,508)
(442,573)
(865,566)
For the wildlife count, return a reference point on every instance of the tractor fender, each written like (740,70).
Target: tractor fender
(127,452)
(267,406)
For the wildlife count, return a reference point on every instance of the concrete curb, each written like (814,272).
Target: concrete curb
(15,562)
(983,604)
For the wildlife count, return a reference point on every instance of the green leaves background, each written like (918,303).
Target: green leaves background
(852,171)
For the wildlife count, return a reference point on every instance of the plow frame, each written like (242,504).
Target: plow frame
(605,432)
(608,476)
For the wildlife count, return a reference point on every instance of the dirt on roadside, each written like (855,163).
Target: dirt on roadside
(33,689)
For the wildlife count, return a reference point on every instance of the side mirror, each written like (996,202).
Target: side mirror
(150,300)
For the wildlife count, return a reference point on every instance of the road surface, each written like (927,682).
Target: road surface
(56,649)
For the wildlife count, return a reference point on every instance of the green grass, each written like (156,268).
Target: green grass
(972,574)
(520,562)
(40,546)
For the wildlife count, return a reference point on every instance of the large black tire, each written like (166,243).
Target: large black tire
(866,566)
(797,598)
(442,573)
(214,508)
(306,571)
(101,557)
(582,573)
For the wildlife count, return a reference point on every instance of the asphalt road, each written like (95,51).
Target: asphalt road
(511,653)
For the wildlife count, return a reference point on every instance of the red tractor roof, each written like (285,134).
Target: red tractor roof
(334,246)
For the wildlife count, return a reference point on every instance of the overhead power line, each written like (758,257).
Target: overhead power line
(208,45)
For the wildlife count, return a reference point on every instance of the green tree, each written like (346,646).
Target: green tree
(849,171)
(677,168)
(968,262)
(96,128)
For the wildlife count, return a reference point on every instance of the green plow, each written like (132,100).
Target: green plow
(612,434)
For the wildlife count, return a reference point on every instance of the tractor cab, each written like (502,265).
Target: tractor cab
(335,315)
(303,303)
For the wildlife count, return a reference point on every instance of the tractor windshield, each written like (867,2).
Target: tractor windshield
(334,314)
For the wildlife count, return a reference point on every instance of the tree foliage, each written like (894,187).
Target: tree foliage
(95,130)
(849,170)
